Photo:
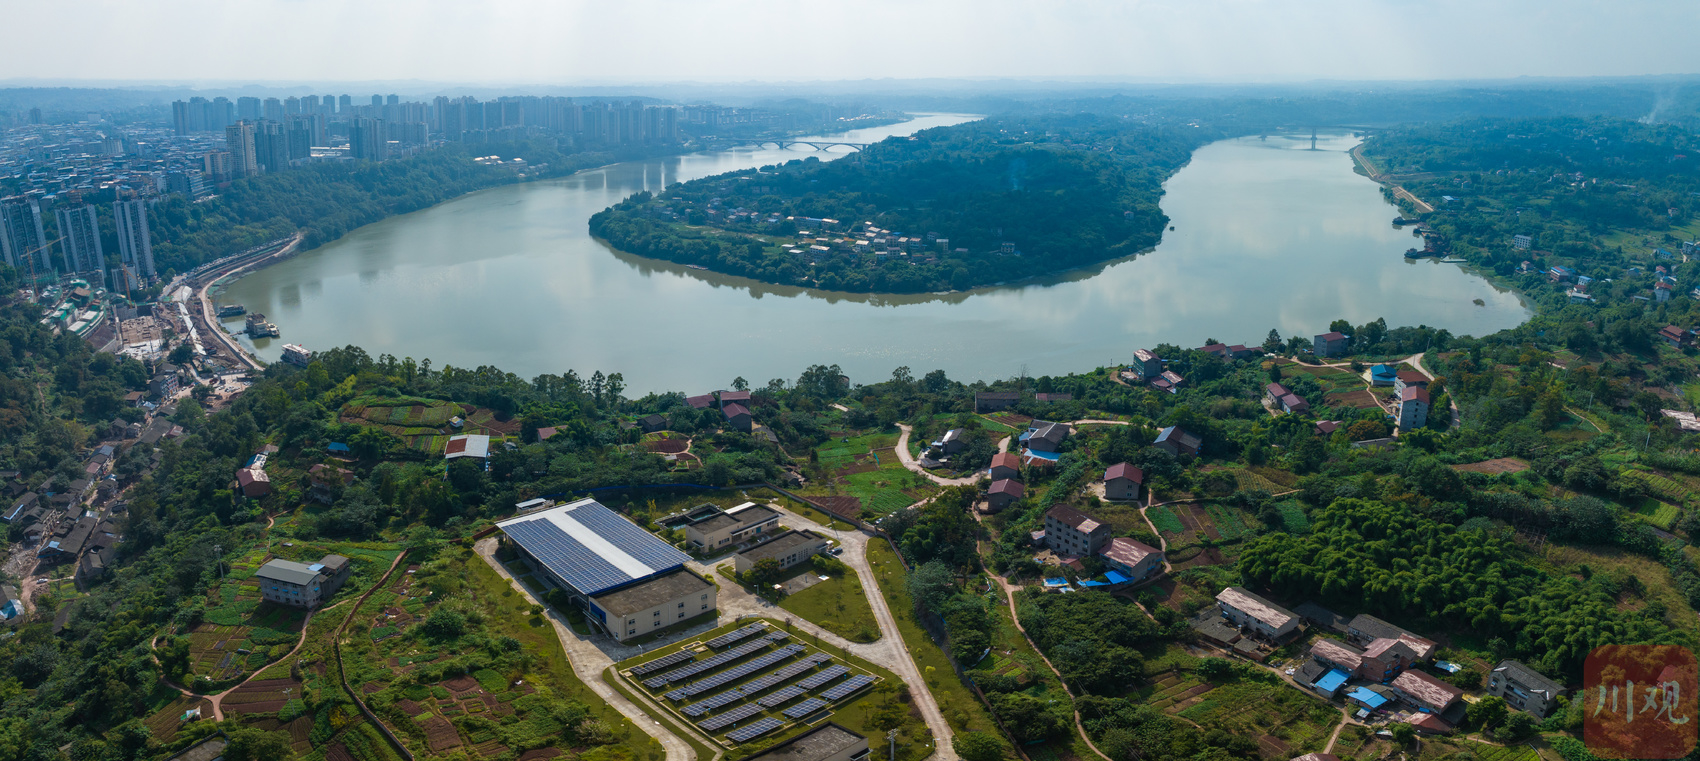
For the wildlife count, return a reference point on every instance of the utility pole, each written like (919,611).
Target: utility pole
(892,736)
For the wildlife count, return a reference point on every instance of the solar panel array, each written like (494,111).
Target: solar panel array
(731,637)
(704,665)
(776,637)
(751,732)
(848,686)
(725,698)
(781,697)
(662,662)
(726,719)
(825,676)
(735,673)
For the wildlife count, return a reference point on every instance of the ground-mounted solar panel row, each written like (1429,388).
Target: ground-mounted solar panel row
(736,672)
(848,686)
(740,713)
(809,661)
(662,662)
(698,667)
(824,677)
(733,636)
(781,697)
(761,684)
(751,732)
(777,637)
(804,708)
(712,702)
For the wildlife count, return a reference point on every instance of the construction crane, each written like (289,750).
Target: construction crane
(30,255)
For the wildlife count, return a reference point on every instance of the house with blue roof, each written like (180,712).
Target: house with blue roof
(1370,697)
(1383,375)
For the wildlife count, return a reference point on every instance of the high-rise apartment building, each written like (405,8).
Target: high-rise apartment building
(366,140)
(377,101)
(35,116)
(188,182)
(221,113)
(79,232)
(239,140)
(344,103)
(135,246)
(299,135)
(247,108)
(392,99)
(310,104)
(218,166)
(271,146)
(272,109)
(21,232)
(291,106)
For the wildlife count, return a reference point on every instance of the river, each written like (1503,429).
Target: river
(1268,234)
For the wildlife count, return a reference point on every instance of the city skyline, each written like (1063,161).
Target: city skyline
(766,40)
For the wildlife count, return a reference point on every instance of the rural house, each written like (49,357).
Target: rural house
(1413,408)
(1004,493)
(738,417)
(1122,481)
(1260,616)
(1425,693)
(1071,532)
(1046,436)
(992,401)
(1330,344)
(302,585)
(1146,364)
(789,549)
(1005,465)
(1523,688)
(1134,559)
(1177,442)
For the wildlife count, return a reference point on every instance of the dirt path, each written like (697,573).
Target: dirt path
(218,700)
(1345,718)
(1416,361)
(909,462)
(589,662)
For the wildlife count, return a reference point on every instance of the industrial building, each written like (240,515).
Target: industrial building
(628,580)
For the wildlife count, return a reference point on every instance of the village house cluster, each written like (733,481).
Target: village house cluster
(1379,670)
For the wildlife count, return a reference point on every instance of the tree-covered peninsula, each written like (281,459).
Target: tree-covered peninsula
(953,207)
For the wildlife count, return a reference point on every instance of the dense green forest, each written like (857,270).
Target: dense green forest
(1062,191)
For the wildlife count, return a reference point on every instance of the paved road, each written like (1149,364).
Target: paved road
(589,660)
(209,319)
(1416,361)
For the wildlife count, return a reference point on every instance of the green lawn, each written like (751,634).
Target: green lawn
(837,605)
(961,708)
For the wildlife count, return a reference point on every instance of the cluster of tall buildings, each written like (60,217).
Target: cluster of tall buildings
(27,246)
(376,129)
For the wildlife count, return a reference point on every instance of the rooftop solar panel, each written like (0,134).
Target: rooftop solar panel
(592,548)
(848,686)
(733,636)
(662,662)
(823,678)
(751,732)
(804,708)
(726,719)
(781,697)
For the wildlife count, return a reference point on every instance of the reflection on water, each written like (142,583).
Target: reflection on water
(1268,234)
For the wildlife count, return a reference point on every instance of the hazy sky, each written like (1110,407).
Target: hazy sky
(621,41)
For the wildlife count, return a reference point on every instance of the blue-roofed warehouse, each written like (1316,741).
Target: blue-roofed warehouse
(630,581)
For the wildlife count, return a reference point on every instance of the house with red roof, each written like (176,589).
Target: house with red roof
(1004,493)
(1413,408)
(738,417)
(1005,465)
(1122,481)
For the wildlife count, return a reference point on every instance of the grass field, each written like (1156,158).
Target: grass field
(961,708)
(1611,560)
(1661,514)
(1165,521)
(1294,519)
(837,605)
